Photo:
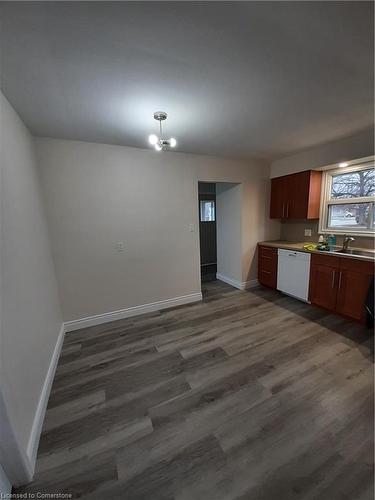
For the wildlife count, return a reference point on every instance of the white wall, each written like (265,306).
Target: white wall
(5,486)
(98,195)
(349,148)
(30,312)
(229,230)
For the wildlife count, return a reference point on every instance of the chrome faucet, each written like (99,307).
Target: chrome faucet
(347,240)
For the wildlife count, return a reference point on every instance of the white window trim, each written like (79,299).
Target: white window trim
(326,201)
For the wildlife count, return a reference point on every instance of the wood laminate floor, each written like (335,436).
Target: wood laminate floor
(246,395)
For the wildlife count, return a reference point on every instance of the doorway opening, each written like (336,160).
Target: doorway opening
(220,232)
(207,230)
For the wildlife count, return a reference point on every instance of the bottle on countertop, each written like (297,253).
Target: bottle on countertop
(322,244)
(331,242)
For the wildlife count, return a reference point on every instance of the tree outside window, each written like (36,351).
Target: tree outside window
(349,200)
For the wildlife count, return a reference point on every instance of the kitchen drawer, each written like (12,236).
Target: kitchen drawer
(360,266)
(267,266)
(266,262)
(267,252)
(267,278)
(325,260)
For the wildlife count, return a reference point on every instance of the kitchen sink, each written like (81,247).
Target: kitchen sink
(360,253)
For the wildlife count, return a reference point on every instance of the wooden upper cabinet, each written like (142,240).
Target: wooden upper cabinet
(277,207)
(296,196)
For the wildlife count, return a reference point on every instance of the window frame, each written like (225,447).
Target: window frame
(326,201)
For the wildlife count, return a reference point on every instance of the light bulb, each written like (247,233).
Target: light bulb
(172,142)
(153,139)
(343,164)
(158,147)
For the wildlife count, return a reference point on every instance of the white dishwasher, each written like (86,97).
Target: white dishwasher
(293,273)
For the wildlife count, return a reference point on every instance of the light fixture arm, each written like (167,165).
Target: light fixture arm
(160,116)
(159,143)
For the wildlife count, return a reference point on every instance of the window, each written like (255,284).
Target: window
(348,200)
(207,211)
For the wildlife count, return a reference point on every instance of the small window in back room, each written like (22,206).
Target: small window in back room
(207,211)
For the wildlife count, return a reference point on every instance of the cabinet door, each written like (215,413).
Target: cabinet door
(323,286)
(297,195)
(277,207)
(353,283)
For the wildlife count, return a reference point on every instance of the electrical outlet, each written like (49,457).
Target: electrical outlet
(120,246)
(307,232)
(191,228)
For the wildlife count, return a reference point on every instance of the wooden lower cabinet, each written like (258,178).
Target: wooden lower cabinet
(340,284)
(267,266)
(353,283)
(323,289)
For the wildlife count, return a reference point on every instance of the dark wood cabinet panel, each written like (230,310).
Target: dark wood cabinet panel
(296,196)
(353,283)
(267,251)
(340,285)
(360,266)
(304,194)
(323,286)
(277,205)
(267,266)
(313,206)
(325,260)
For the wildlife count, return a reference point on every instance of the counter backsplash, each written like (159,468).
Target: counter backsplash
(295,231)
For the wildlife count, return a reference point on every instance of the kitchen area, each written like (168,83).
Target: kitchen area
(325,255)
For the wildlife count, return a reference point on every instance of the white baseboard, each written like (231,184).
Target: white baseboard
(32,446)
(20,466)
(98,319)
(241,285)
(250,284)
(230,281)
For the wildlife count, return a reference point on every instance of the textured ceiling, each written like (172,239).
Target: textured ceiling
(238,79)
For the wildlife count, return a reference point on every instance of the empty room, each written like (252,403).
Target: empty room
(187,223)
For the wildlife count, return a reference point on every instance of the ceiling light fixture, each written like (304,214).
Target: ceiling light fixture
(343,164)
(159,143)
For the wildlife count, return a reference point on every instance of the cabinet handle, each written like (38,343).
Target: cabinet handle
(266,272)
(283,210)
(333,278)
(340,279)
(287,210)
